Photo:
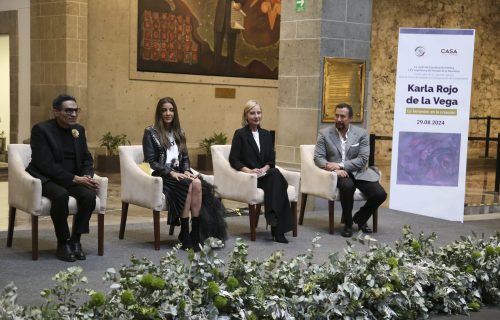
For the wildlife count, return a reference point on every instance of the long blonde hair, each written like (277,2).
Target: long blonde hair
(175,128)
(249,106)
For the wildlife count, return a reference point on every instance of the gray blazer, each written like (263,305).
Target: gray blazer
(328,149)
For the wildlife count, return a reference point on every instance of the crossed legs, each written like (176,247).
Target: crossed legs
(375,196)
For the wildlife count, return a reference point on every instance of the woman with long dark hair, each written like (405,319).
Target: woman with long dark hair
(164,146)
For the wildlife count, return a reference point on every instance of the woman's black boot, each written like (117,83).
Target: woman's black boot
(195,233)
(184,236)
(278,237)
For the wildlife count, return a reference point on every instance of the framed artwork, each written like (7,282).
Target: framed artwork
(343,81)
(229,38)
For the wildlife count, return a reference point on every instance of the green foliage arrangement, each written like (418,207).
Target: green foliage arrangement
(410,280)
(112,142)
(216,138)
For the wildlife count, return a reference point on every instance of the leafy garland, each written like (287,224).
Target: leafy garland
(410,280)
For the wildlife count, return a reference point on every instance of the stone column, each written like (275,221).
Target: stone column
(58,54)
(8,25)
(334,28)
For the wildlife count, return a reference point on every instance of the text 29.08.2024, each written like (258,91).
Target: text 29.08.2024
(431,122)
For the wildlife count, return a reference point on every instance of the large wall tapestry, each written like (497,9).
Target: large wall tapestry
(200,37)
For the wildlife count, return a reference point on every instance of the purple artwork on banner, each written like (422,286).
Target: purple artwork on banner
(428,159)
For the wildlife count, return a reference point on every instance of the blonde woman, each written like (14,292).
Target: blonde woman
(252,151)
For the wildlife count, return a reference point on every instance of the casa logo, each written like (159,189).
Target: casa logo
(449,51)
(419,51)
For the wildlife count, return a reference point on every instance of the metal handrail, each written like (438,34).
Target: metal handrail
(487,135)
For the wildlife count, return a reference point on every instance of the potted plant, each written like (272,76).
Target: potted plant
(110,162)
(205,159)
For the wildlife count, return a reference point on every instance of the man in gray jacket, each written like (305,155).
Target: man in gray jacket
(345,149)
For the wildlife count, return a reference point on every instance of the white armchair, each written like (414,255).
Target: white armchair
(321,183)
(239,186)
(25,194)
(142,189)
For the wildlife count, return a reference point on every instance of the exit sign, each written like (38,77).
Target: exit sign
(300,5)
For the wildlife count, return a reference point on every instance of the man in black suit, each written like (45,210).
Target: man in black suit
(61,160)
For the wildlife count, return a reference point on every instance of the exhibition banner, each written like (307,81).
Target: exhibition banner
(431,121)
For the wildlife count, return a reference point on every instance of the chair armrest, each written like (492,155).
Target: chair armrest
(236,185)
(293,179)
(25,191)
(318,182)
(102,193)
(140,188)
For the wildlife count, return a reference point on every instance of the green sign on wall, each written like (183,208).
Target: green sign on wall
(300,5)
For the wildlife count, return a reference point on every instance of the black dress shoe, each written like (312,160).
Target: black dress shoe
(364,228)
(65,253)
(77,251)
(347,232)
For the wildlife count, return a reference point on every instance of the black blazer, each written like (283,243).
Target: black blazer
(47,154)
(155,154)
(245,153)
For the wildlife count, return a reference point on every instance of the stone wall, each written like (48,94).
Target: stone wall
(8,25)
(123,104)
(327,28)
(58,54)
(481,15)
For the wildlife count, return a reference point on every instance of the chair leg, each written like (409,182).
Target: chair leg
(302,208)
(34,237)
(294,217)
(156,226)
(123,222)
(100,234)
(257,210)
(171,230)
(12,220)
(331,212)
(375,221)
(252,212)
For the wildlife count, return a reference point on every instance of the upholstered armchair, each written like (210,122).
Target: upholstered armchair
(239,186)
(25,194)
(321,183)
(142,189)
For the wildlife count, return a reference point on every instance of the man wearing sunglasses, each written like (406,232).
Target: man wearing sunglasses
(61,160)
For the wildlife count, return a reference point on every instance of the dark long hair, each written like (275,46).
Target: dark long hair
(175,128)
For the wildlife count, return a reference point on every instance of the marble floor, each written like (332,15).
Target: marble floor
(480,201)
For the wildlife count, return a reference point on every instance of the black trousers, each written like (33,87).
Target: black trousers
(276,201)
(58,195)
(373,191)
